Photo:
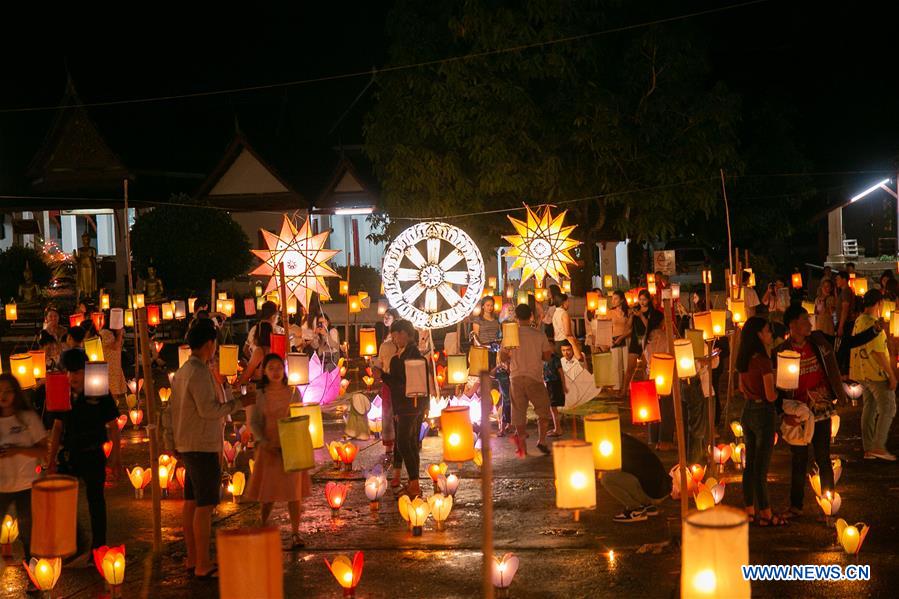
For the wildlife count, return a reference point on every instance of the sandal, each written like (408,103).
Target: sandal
(213,574)
(773,521)
(296,542)
(790,514)
(554,433)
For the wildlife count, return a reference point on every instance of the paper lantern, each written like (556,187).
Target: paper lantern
(347,574)
(93,347)
(368,344)
(140,478)
(416,378)
(418,512)
(39,361)
(296,443)
(110,563)
(458,436)
(834,426)
(75,320)
(183,354)
(661,371)
(136,416)
(153,315)
(448,484)
(164,476)
(602,334)
(344,288)
(604,374)
(12,312)
(316,428)
(737,428)
(457,368)
(96,379)
(9,530)
(441,506)
(335,494)
(503,570)
(719,322)
(137,301)
(737,310)
(228,360)
(382,307)
(375,487)
(510,335)
(436,470)
(291,305)
(608,281)
(796,280)
(191,304)
(702,321)
(347,453)
(279,344)
(644,402)
(675,291)
(788,370)
(889,307)
(129,318)
(168,311)
(715,546)
(58,392)
(227,307)
(602,306)
(297,369)
(116,319)
(651,287)
(250,563)
(44,572)
(574,478)
(603,432)
(478,360)
(54,514)
(859,285)
(830,503)
(707,277)
(22,367)
(851,536)
(683,356)
(237,484)
(703,499)
(592,301)
(354,303)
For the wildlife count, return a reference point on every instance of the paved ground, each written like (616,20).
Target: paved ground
(559,557)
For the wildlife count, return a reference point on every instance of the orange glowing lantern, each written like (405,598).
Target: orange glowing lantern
(644,402)
(661,371)
(153,315)
(702,321)
(110,563)
(458,436)
(347,574)
(336,493)
(796,280)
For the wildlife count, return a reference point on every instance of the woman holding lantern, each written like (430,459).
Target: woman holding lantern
(51,324)
(112,342)
(270,483)
(485,329)
(759,417)
(644,319)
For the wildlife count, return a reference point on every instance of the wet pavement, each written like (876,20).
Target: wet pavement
(559,557)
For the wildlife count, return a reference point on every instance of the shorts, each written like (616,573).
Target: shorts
(525,390)
(556,393)
(202,477)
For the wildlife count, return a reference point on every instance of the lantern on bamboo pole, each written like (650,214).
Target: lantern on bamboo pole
(574,478)
(458,436)
(683,356)
(250,563)
(510,335)
(93,347)
(796,280)
(702,321)
(644,402)
(661,371)
(96,379)
(228,360)
(368,344)
(603,432)
(604,374)
(719,322)
(478,360)
(153,315)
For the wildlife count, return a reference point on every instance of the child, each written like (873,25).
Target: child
(555,386)
(23,441)
(269,482)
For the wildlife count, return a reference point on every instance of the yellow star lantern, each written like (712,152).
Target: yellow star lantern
(542,246)
(304,257)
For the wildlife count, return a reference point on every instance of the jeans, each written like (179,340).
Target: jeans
(877,414)
(504,384)
(406,450)
(625,488)
(696,408)
(758,431)
(22,501)
(90,467)
(821,445)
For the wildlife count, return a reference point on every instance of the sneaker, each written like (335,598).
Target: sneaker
(650,510)
(627,516)
(882,454)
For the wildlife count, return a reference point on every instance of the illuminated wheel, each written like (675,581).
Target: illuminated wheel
(433,275)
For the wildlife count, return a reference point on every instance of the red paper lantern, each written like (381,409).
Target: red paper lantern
(279,345)
(99,320)
(58,395)
(153,315)
(644,402)
(76,319)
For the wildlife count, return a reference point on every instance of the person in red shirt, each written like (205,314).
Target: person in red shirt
(819,386)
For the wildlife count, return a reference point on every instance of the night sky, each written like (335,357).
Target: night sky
(831,70)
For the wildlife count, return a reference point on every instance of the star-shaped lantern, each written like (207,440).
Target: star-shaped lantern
(542,246)
(304,257)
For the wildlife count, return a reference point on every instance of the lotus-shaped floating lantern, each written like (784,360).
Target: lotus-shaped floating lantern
(237,485)
(716,488)
(230,452)
(736,428)
(834,426)
(697,472)
(347,453)
(418,514)
(110,563)
(324,386)
(738,455)
(440,506)
(135,386)
(851,536)
(164,394)
(837,465)
(43,572)
(131,401)
(447,484)
(435,470)
(136,417)
(504,570)
(107,448)
(348,574)
(336,494)
(375,487)
(140,478)
(692,485)
(121,421)
(703,498)
(9,532)
(404,504)
(830,503)
(721,454)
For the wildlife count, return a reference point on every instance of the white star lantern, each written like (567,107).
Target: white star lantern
(304,257)
(542,246)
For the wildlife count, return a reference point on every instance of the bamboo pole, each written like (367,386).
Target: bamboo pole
(130,278)
(284,316)
(140,317)
(678,414)
(346,327)
(730,252)
(486,491)
(212,302)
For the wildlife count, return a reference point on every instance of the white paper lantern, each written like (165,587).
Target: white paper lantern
(715,546)
(116,319)
(297,369)
(96,379)
(416,378)
(788,370)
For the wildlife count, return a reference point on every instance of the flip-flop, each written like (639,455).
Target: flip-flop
(773,522)
(211,575)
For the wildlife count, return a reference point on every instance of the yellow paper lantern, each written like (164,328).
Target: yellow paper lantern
(54,509)
(715,546)
(697,340)
(250,563)
(291,305)
(661,370)
(603,432)
(22,367)
(191,304)
(368,344)
(129,318)
(788,370)
(458,436)
(12,313)
(510,335)
(851,536)
(683,356)
(93,347)
(296,443)
(355,304)
(737,310)
(478,360)
(604,370)
(592,301)
(707,277)
(183,354)
(889,307)
(44,572)
(608,281)
(347,573)
(344,288)
(719,322)
(168,311)
(574,478)
(418,513)
(297,369)
(457,368)
(314,412)
(228,360)
(112,564)
(522,297)
(702,321)
(39,363)
(137,302)
(238,483)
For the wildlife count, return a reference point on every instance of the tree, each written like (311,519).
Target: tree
(628,119)
(12,265)
(189,246)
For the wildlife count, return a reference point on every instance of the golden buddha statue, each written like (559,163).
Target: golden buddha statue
(154,290)
(29,291)
(86,267)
